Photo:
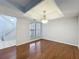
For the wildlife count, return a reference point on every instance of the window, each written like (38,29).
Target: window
(35,30)
(7,27)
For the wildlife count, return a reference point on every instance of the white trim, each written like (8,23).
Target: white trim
(64,43)
(27,41)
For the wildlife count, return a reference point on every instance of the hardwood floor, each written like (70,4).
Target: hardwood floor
(8,53)
(41,49)
(44,49)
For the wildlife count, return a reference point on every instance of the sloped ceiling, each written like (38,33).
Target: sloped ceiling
(54,8)
(68,7)
(52,11)
(24,5)
(8,9)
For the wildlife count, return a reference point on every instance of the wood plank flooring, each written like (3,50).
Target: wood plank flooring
(41,49)
(44,49)
(8,53)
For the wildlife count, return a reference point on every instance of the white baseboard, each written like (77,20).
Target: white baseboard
(65,43)
(7,44)
(27,41)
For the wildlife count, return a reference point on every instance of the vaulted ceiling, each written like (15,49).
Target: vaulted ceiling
(24,5)
(52,11)
(68,7)
(34,8)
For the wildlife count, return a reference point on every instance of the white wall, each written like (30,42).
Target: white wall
(22,31)
(62,30)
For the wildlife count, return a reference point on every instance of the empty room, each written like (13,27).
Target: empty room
(39,29)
